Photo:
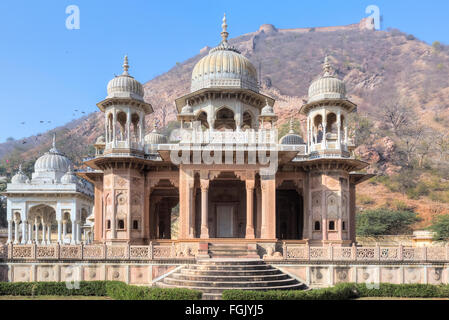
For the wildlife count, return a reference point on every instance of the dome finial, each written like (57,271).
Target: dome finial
(125,65)
(20,168)
(224,32)
(327,67)
(53,144)
(291,126)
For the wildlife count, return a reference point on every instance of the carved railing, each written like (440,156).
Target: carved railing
(98,252)
(369,254)
(291,252)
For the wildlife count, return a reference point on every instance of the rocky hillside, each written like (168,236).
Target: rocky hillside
(379,67)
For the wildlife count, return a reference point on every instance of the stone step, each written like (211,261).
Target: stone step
(244,272)
(230,261)
(230,284)
(229,267)
(230,278)
(218,291)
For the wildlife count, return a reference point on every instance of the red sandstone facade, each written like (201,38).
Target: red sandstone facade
(140,189)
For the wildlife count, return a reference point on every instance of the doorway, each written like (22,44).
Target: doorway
(225,221)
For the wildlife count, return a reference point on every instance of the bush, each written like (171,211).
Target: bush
(440,225)
(114,289)
(344,291)
(87,288)
(122,291)
(384,221)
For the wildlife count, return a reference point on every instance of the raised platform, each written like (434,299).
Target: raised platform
(213,276)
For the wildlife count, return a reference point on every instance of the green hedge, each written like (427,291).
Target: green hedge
(122,291)
(114,289)
(86,288)
(344,291)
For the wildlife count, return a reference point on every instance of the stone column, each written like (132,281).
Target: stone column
(73,238)
(78,229)
(308,134)
(24,233)
(259,211)
(128,128)
(339,130)
(191,205)
(250,209)
(30,233)
(36,231)
(204,209)
(59,231)
(49,234)
(346,134)
(268,208)
(64,230)
(9,231)
(16,232)
(43,233)
(323,124)
(114,128)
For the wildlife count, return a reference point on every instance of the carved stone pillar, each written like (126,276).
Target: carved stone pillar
(268,228)
(250,209)
(191,186)
(204,209)
(258,211)
(339,130)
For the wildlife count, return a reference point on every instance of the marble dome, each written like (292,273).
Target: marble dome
(52,161)
(20,177)
(155,137)
(125,86)
(223,67)
(69,177)
(327,86)
(291,137)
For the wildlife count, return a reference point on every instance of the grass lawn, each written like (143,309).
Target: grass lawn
(53,298)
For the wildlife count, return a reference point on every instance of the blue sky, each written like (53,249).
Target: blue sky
(49,71)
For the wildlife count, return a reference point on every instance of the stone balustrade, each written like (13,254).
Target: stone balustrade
(97,252)
(368,254)
(250,136)
(290,252)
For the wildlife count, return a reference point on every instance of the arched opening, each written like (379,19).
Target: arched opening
(109,135)
(66,228)
(135,128)
(331,123)
(224,119)
(226,207)
(289,212)
(202,118)
(121,128)
(247,121)
(318,128)
(45,227)
(164,211)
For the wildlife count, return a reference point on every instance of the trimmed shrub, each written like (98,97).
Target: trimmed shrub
(122,291)
(86,288)
(345,291)
(114,289)
(342,291)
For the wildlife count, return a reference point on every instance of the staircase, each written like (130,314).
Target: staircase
(233,250)
(212,276)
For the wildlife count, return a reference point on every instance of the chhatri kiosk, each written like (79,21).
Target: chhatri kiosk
(230,178)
